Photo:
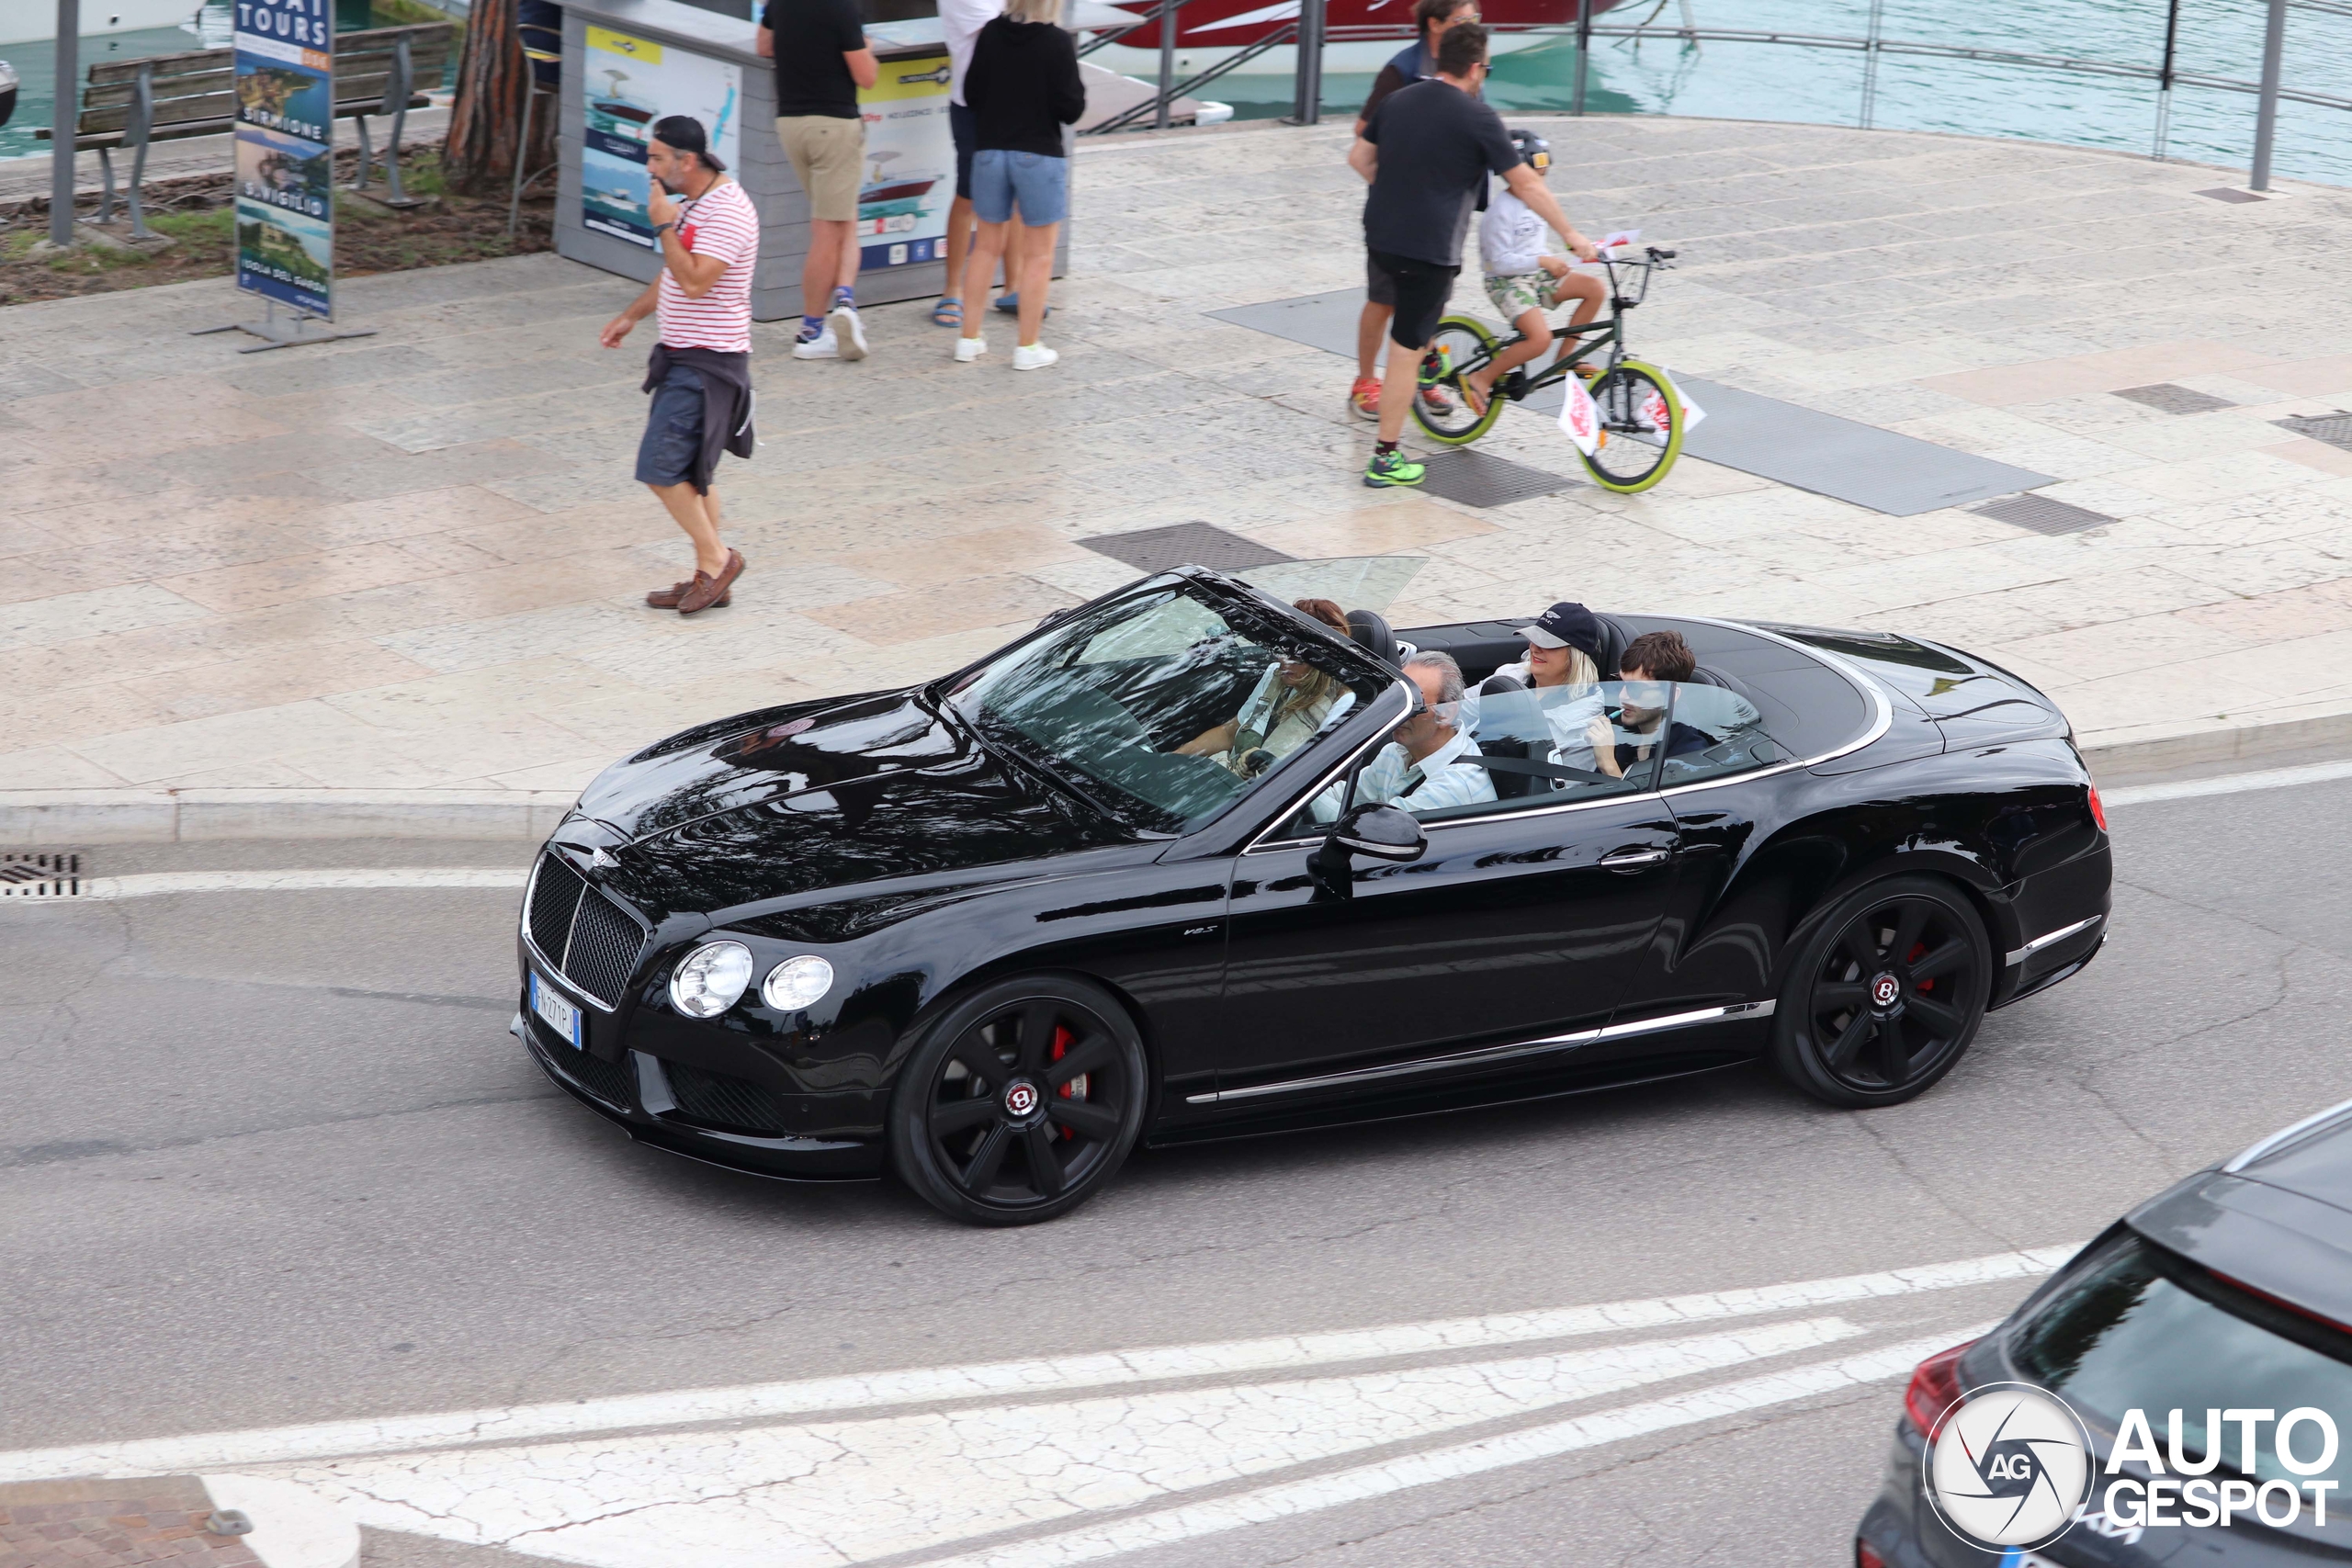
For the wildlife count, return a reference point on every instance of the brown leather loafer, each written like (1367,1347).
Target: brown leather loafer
(707,589)
(667,598)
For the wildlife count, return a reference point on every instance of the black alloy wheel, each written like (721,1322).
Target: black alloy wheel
(1886,996)
(1021,1103)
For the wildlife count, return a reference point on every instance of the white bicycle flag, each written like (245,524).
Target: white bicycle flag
(1580,417)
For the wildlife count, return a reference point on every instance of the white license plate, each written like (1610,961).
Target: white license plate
(556,1013)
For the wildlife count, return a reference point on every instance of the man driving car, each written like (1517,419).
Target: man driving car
(1420,768)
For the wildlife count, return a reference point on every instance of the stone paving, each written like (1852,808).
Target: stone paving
(413,562)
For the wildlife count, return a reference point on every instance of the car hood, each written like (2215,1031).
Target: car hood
(824,795)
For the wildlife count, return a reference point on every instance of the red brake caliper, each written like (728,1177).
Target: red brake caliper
(1918,951)
(1076,1087)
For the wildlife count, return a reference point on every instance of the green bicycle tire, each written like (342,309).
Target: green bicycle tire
(1636,371)
(1453,434)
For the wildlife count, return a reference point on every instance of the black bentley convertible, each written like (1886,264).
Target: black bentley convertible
(991,930)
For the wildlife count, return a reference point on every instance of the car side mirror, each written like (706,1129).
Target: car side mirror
(1375,832)
(1380,832)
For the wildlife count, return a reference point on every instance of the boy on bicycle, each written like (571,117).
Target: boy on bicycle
(1525,283)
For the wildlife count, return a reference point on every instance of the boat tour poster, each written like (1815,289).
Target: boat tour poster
(910,162)
(626,84)
(285,91)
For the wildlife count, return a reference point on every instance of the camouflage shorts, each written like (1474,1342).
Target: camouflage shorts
(1516,293)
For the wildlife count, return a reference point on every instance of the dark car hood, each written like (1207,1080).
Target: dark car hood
(825,795)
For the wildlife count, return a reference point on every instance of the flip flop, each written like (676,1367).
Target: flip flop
(1474,397)
(948,313)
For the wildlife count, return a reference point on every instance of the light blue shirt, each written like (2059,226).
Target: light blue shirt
(1436,782)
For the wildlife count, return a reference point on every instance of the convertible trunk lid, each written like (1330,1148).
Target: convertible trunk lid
(1972,701)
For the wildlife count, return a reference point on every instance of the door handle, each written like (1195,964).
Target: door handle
(1633,859)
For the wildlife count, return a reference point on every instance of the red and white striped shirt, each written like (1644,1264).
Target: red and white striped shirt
(720,222)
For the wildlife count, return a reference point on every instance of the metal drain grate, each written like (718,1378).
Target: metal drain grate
(2223,193)
(1477,478)
(2042,513)
(2335,429)
(24,875)
(1186,544)
(2175,400)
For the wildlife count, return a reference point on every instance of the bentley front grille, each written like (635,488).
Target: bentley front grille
(591,941)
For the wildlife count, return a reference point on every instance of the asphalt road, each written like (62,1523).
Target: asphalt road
(270,1158)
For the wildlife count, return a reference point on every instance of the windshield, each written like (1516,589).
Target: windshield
(1165,708)
(2138,1328)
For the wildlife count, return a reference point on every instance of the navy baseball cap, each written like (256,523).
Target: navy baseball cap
(1566,625)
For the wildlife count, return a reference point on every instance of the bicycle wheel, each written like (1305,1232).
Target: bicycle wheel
(1641,427)
(1463,343)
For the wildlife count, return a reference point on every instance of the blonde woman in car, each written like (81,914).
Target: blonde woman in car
(1289,705)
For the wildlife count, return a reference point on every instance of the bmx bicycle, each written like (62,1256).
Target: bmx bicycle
(1640,424)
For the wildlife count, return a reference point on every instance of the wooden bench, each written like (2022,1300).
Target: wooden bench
(131,103)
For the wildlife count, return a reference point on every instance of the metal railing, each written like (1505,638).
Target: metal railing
(2166,74)
(1307,30)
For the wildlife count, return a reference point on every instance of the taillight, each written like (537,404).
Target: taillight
(2099,812)
(1934,1386)
(1864,1557)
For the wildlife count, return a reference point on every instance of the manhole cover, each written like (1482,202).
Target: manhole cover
(1186,544)
(2223,193)
(27,875)
(2335,429)
(2175,400)
(1477,478)
(2042,513)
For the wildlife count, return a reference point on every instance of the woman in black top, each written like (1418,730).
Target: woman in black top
(1023,89)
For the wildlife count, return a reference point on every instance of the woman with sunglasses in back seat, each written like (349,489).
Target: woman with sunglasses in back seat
(1567,654)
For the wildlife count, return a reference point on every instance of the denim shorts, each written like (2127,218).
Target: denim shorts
(1037,183)
(673,429)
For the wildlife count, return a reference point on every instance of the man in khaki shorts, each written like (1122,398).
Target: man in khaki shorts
(822,59)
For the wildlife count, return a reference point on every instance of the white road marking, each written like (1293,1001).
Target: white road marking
(927,1386)
(2227,784)
(820,1494)
(1285,1501)
(156,884)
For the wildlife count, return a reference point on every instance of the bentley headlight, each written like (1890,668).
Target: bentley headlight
(796,983)
(711,980)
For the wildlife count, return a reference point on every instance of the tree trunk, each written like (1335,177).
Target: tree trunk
(486,116)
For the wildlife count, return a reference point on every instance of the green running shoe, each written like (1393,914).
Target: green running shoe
(1390,469)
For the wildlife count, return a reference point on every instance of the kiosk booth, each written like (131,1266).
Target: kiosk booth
(629,62)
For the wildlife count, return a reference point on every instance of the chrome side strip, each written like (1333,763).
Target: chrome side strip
(1497,1053)
(2060,934)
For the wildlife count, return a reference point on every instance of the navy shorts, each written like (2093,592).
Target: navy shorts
(1036,184)
(959,125)
(673,429)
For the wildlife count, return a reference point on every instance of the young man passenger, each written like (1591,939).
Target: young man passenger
(1427,153)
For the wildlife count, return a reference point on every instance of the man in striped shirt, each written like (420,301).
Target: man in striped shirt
(700,370)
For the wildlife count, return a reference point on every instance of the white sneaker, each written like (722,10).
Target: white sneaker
(821,346)
(847,332)
(1035,356)
(970,348)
